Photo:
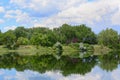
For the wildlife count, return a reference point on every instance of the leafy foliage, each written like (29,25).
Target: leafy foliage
(1,38)
(9,39)
(66,34)
(40,39)
(45,63)
(58,48)
(22,41)
(108,37)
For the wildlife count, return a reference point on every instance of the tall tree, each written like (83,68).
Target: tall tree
(108,37)
(85,34)
(9,39)
(80,33)
(119,41)
(40,39)
(22,41)
(20,32)
(1,38)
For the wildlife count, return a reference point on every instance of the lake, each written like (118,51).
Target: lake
(14,66)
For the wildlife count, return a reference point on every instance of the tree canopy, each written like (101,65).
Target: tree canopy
(108,37)
(64,34)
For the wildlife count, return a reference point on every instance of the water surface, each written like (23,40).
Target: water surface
(46,67)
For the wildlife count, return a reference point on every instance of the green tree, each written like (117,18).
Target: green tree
(108,37)
(68,31)
(109,62)
(119,41)
(1,38)
(40,39)
(60,37)
(9,39)
(52,37)
(80,33)
(20,32)
(85,34)
(22,41)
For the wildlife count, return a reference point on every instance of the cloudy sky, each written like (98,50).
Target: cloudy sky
(97,14)
(96,74)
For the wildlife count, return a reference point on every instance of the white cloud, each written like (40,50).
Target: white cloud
(87,13)
(20,16)
(8,77)
(115,74)
(19,2)
(27,75)
(116,18)
(47,4)
(103,12)
(9,28)
(2,9)
(51,75)
(59,76)
(76,15)
(96,74)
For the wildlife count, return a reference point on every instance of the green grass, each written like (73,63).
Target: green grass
(100,50)
(67,50)
(32,50)
(4,50)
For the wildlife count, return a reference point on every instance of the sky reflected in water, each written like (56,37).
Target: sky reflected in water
(96,74)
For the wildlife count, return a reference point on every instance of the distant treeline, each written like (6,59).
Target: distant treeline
(65,34)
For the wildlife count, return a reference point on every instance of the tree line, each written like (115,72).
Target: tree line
(65,34)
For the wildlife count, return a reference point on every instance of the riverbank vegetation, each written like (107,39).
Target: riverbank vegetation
(36,39)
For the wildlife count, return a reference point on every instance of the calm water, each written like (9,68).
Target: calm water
(47,67)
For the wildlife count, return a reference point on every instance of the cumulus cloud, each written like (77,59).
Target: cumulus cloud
(59,76)
(47,4)
(2,9)
(85,13)
(18,15)
(45,8)
(9,28)
(50,75)
(96,74)
(115,74)
(115,18)
(54,13)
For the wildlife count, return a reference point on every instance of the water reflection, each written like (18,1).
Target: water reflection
(96,74)
(46,67)
(110,61)
(44,63)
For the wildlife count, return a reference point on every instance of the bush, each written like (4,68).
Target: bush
(77,46)
(22,41)
(12,46)
(58,48)
(74,45)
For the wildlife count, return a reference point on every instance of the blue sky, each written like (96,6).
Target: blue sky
(97,14)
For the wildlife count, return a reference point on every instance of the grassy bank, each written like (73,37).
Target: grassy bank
(67,50)
(99,50)
(31,50)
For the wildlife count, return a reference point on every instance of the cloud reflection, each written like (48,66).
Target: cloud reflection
(96,74)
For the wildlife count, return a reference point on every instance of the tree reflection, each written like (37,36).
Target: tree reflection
(65,64)
(110,61)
